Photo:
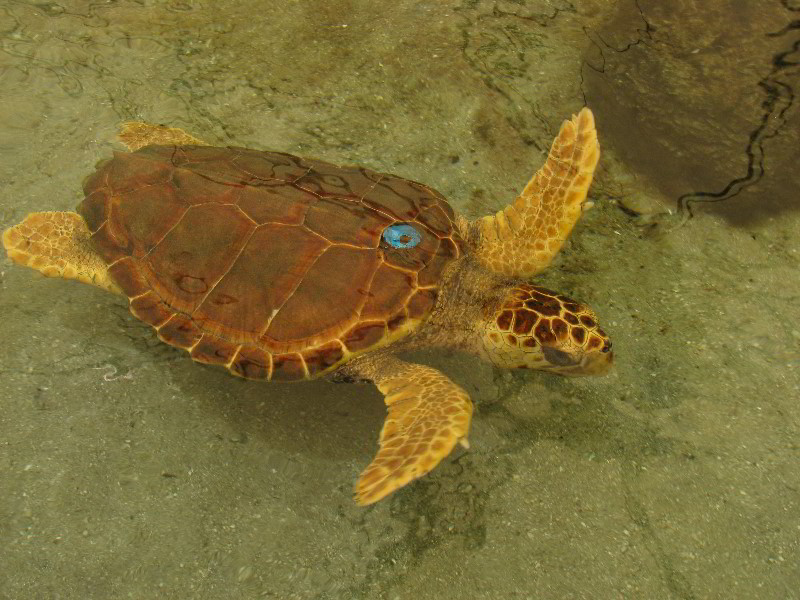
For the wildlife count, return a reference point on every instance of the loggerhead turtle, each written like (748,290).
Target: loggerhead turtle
(284,268)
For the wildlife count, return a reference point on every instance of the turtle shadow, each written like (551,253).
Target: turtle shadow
(317,419)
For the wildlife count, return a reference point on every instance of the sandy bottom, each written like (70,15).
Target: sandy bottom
(127,471)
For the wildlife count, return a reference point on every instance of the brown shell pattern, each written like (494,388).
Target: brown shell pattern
(266,263)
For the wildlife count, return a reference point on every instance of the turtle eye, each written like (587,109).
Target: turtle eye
(401,236)
(559,358)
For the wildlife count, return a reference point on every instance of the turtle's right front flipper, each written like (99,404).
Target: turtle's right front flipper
(57,244)
(428,416)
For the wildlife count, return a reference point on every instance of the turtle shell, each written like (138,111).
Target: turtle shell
(274,266)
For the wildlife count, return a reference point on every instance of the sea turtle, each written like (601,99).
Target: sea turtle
(285,268)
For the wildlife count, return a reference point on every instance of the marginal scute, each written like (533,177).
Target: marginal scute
(416,194)
(213,350)
(392,196)
(97,178)
(188,155)
(180,331)
(269,166)
(151,309)
(560,328)
(364,335)
(320,359)
(116,227)
(432,272)
(543,332)
(325,179)
(436,220)
(210,163)
(107,246)
(594,343)
(397,321)
(449,248)
(252,362)
(288,367)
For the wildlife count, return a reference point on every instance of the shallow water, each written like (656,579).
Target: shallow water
(129,471)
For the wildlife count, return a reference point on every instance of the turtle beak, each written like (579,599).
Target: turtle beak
(589,363)
(595,364)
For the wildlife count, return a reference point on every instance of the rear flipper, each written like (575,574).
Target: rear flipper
(137,135)
(57,244)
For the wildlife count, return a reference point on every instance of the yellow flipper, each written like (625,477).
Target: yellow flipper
(428,415)
(523,238)
(137,135)
(57,244)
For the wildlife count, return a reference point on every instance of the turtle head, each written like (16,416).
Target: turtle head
(536,328)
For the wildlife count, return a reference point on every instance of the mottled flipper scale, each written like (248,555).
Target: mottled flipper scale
(523,238)
(57,244)
(428,415)
(137,135)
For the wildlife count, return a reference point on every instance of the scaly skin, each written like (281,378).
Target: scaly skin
(521,239)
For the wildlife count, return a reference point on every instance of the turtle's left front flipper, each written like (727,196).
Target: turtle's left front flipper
(428,415)
(523,238)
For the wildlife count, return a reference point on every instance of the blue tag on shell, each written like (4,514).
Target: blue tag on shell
(401,236)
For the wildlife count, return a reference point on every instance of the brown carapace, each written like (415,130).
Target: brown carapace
(228,252)
(285,268)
